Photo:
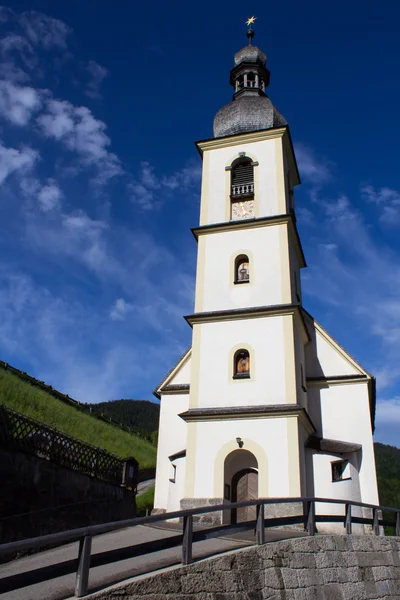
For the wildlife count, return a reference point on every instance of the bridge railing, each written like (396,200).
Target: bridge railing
(86,560)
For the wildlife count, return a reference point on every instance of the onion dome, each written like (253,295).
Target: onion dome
(250,109)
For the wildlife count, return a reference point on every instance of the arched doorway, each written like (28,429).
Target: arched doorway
(244,487)
(240,484)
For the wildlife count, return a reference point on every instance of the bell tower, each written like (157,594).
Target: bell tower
(265,403)
(247,365)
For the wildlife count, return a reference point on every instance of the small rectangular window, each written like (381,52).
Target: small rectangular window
(340,470)
(173,474)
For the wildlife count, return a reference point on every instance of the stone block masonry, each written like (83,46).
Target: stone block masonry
(325,567)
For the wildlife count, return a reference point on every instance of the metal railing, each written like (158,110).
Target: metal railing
(85,560)
(34,437)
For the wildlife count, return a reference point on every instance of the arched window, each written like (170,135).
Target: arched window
(242,182)
(241,364)
(242,270)
(242,189)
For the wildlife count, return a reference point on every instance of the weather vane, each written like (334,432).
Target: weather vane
(250,21)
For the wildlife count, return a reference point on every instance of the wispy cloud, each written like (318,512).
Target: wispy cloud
(97,74)
(358,276)
(388,412)
(80,132)
(120,310)
(85,293)
(149,191)
(387,200)
(14,159)
(313,169)
(18,103)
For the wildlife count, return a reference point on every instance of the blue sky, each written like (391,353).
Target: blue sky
(100,103)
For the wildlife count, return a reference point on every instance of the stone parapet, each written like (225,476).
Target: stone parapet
(323,567)
(214,518)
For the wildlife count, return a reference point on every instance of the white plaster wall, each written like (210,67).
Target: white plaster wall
(171,439)
(264,338)
(324,487)
(271,435)
(215,189)
(323,359)
(300,361)
(215,288)
(183,375)
(346,416)
(176,489)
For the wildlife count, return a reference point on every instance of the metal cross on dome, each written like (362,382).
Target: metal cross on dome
(250,21)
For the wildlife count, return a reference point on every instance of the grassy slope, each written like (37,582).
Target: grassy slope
(37,404)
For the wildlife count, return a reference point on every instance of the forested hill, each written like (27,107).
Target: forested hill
(388,471)
(136,414)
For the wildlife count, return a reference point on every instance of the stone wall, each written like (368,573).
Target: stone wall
(38,497)
(310,568)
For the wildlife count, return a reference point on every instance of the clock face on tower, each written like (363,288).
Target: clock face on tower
(242,210)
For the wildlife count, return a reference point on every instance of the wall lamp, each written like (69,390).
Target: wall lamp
(239,442)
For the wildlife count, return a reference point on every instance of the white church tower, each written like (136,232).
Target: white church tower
(265,403)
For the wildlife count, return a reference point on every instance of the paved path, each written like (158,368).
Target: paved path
(143,486)
(63,587)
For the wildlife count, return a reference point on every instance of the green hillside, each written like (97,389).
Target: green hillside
(140,414)
(71,417)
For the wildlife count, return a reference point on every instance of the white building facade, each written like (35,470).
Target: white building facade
(265,403)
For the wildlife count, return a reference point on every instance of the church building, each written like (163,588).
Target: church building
(265,403)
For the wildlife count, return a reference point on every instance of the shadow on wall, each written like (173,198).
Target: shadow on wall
(38,497)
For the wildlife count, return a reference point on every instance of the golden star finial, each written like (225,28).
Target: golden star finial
(251,21)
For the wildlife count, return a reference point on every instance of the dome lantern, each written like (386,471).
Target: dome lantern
(250,109)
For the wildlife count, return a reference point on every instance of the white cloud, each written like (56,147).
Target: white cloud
(313,170)
(149,191)
(80,132)
(97,75)
(339,210)
(12,160)
(184,178)
(387,199)
(388,411)
(120,310)
(44,31)
(49,196)
(17,103)
(305,216)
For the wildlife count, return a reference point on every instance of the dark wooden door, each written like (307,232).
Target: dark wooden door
(244,487)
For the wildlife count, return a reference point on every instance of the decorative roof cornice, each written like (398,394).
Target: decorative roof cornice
(331,446)
(336,380)
(171,372)
(246,313)
(249,412)
(240,138)
(253,136)
(287,218)
(178,388)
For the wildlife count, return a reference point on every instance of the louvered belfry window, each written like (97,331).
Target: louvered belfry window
(242,178)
